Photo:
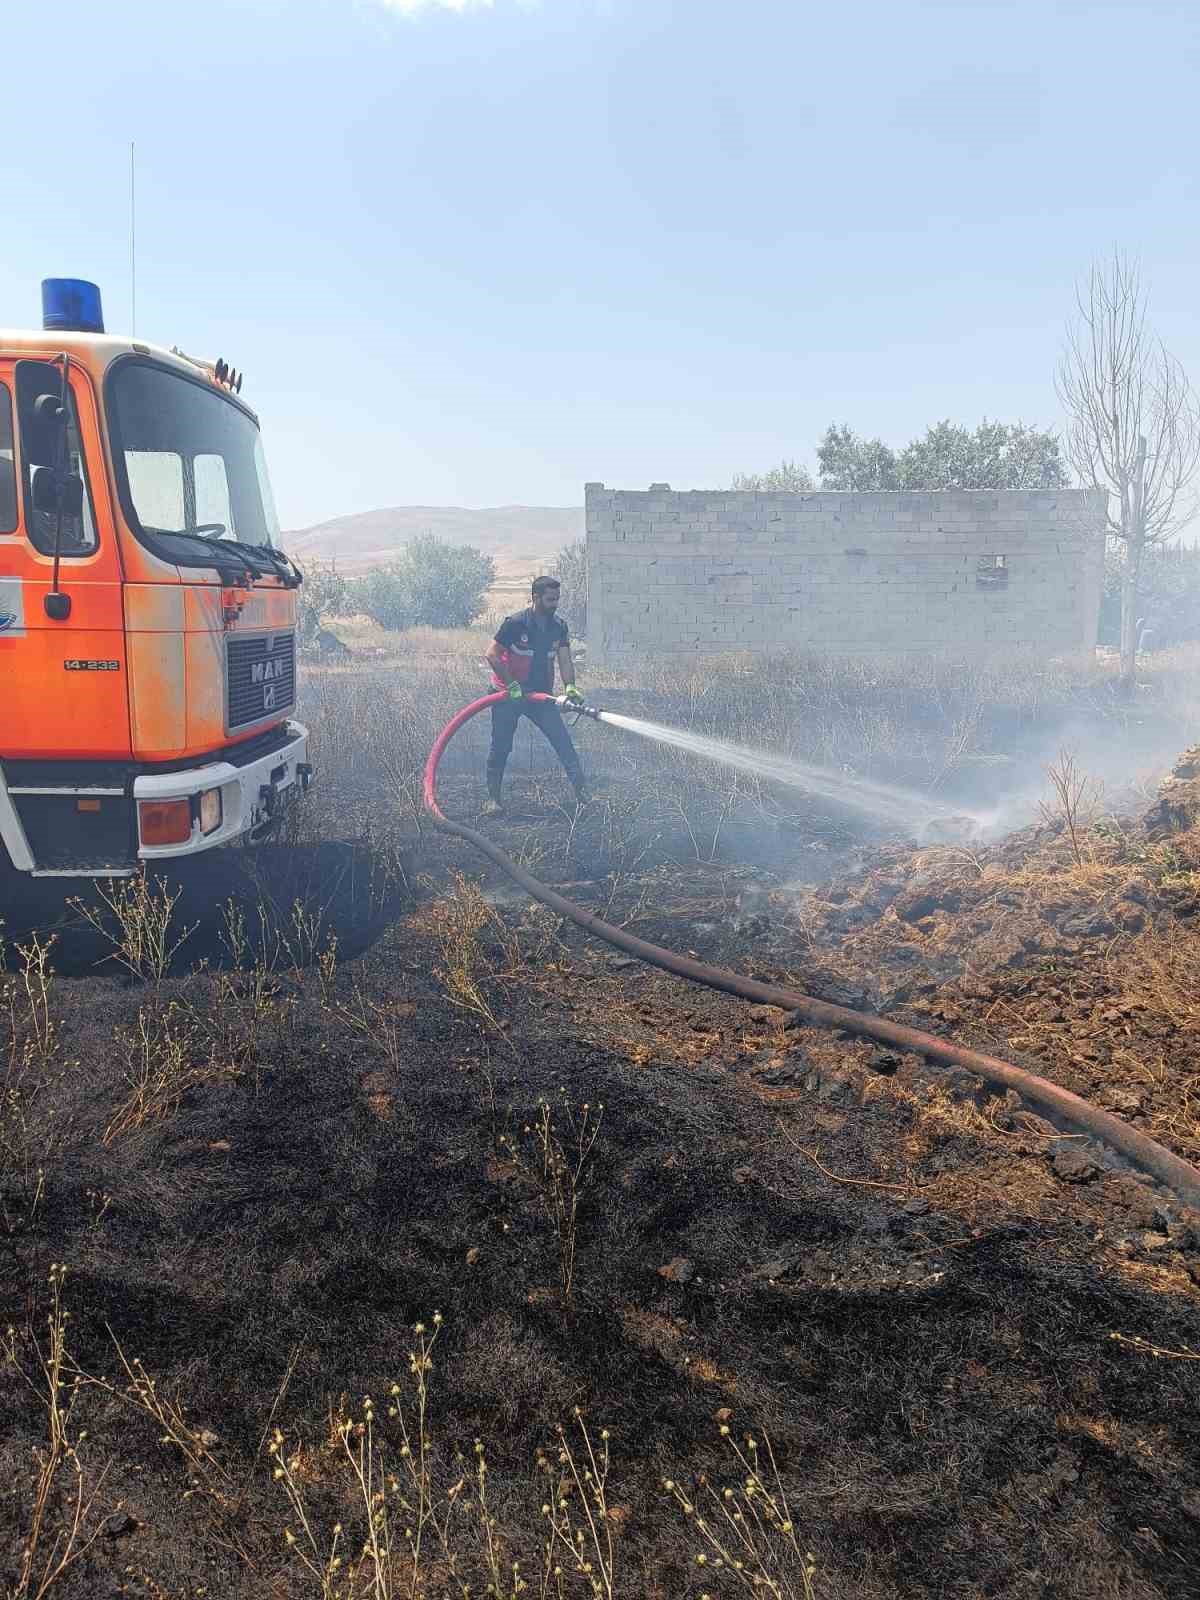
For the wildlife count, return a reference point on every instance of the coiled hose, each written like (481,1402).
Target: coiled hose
(1180,1176)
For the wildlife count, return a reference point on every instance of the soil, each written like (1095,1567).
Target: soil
(971,1338)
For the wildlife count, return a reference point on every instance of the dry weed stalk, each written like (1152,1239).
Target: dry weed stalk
(27,997)
(747,1534)
(378,1022)
(578,1515)
(422,1518)
(30,1132)
(327,967)
(459,921)
(159,1068)
(248,1002)
(63,1520)
(1136,1342)
(409,1516)
(730,796)
(1075,803)
(561,1171)
(209,1483)
(144,910)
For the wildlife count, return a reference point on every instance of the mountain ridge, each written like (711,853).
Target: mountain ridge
(517,537)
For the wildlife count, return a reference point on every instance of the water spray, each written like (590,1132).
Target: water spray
(905,809)
(1180,1176)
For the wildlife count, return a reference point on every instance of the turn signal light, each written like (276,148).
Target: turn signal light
(165,821)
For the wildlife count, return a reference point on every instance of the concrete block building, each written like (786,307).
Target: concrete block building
(951,572)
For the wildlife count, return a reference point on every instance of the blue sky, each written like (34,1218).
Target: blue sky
(477,254)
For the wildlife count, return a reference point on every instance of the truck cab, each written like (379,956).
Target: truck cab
(147,612)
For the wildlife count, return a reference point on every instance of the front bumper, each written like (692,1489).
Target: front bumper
(252,796)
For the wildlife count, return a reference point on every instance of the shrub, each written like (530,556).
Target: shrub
(323,593)
(789,477)
(431,583)
(570,568)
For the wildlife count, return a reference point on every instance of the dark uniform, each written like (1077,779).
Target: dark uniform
(529,646)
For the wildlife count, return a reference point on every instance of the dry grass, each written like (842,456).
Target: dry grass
(385,1501)
(159,1068)
(139,920)
(556,1153)
(460,921)
(1162,973)
(930,724)
(64,1518)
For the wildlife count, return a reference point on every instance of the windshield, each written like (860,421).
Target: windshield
(191,461)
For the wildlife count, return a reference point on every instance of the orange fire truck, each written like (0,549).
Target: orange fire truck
(147,613)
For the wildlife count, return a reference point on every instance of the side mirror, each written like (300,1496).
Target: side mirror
(43,437)
(47,487)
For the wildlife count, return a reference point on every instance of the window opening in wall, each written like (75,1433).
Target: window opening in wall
(991,572)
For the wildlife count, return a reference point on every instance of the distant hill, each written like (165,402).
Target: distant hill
(520,539)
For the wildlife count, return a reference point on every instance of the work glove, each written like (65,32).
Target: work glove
(514,691)
(572,694)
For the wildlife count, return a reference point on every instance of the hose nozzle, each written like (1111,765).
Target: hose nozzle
(577,706)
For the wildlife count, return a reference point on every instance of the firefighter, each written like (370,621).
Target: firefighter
(522,658)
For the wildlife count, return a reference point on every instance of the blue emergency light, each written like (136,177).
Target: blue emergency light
(71,305)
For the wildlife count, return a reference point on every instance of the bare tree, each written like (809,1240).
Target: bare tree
(1133,429)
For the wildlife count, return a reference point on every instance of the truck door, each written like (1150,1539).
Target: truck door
(62,682)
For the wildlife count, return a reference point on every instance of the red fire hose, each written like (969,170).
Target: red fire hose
(1179,1175)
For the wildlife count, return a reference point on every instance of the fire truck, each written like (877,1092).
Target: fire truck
(147,612)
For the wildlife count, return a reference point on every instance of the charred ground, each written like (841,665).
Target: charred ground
(970,1339)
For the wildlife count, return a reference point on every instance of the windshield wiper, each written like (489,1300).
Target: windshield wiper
(227,553)
(283,564)
(224,553)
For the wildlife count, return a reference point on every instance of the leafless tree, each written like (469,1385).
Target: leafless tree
(1133,429)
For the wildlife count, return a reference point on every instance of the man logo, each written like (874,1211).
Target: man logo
(269,697)
(266,671)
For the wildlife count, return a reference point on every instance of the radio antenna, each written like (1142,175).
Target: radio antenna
(132,244)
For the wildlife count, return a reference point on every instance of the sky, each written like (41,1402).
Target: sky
(478,252)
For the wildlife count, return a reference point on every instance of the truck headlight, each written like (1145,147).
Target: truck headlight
(210,811)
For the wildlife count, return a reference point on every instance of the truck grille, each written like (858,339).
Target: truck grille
(261,678)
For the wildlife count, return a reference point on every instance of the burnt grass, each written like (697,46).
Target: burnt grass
(934,1363)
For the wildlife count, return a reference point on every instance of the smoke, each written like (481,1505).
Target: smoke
(1120,762)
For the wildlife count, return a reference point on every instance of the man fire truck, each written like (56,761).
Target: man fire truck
(147,614)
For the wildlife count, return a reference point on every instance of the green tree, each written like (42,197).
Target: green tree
(324,593)
(570,568)
(850,462)
(789,477)
(997,455)
(430,583)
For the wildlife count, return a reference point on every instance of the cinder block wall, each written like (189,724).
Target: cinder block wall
(954,572)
